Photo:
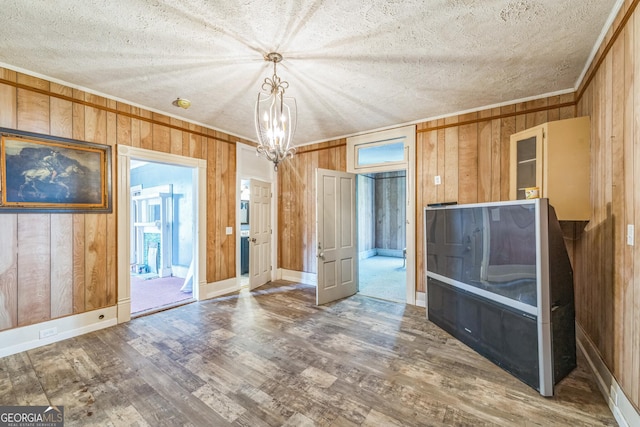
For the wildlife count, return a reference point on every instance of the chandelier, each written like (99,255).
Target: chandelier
(275,117)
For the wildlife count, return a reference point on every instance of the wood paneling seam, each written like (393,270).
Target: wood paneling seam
(303,151)
(467,122)
(606,50)
(111,110)
(586,83)
(496,117)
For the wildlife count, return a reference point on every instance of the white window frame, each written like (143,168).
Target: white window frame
(386,165)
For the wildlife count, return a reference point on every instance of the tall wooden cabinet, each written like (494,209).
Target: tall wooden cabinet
(554,157)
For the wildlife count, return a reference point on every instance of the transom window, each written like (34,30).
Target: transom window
(380,153)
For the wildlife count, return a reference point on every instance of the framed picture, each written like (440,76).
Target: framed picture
(42,173)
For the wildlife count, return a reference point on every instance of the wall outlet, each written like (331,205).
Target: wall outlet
(437,180)
(46,333)
(229,231)
(630,234)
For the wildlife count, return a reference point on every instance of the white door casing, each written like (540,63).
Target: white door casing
(336,233)
(406,135)
(259,233)
(125,154)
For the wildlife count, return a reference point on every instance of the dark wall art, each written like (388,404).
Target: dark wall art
(50,174)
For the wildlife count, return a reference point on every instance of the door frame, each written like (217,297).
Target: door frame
(199,166)
(249,166)
(407,135)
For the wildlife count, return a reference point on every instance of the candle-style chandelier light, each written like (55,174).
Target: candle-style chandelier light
(275,117)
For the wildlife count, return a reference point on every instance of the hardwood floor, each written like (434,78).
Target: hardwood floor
(271,358)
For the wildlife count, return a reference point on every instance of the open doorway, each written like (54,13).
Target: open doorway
(382,210)
(162,235)
(244,231)
(255,219)
(390,156)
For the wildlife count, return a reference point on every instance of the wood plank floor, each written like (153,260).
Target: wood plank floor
(272,358)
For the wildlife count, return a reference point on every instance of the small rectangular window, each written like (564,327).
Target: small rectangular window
(383,151)
(368,155)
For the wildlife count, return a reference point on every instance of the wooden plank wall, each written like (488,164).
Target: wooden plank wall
(297,202)
(366,213)
(390,210)
(221,209)
(470,153)
(53,265)
(607,270)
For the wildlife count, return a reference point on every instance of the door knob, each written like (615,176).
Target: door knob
(253,239)
(321,255)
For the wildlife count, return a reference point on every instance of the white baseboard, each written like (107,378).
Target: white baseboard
(396,253)
(623,410)
(298,276)
(124,310)
(179,271)
(367,254)
(28,337)
(216,289)
(421,299)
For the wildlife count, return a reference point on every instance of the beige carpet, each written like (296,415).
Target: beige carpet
(156,292)
(383,277)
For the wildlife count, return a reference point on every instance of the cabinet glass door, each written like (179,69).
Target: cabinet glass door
(526,162)
(526,169)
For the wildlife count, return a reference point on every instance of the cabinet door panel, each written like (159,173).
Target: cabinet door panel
(554,157)
(526,161)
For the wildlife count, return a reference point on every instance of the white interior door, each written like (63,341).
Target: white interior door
(259,233)
(336,235)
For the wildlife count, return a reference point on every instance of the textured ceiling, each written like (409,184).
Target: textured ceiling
(352,65)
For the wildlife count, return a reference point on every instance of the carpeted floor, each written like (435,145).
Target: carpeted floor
(380,277)
(383,277)
(149,293)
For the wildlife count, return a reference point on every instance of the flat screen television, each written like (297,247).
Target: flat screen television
(507,258)
(489,250)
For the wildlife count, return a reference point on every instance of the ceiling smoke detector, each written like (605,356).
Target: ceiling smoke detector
(182,103)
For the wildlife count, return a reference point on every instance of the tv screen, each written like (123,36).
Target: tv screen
(488,250)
